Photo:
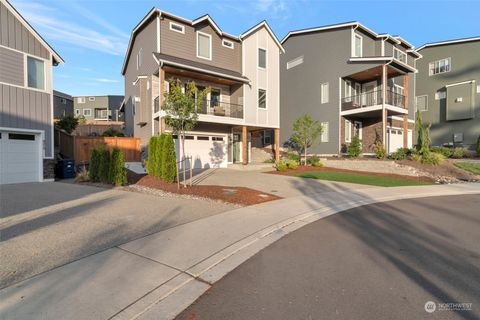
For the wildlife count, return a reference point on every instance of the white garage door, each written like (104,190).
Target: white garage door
(20,159)
(207,151)
(395,139)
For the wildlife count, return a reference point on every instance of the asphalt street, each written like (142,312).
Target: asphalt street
(381,261)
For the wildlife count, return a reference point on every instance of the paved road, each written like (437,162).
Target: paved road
(45,225)
(382,261)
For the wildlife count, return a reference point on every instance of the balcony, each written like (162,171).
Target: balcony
(374,98)
(101,114)
(222,109)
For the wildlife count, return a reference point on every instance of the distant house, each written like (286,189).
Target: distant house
(98,108)
(62,104)
(26,100)
(448,90)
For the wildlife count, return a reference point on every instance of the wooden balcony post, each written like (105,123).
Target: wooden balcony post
(384,112)
(405,116)
(244,145)
(277,144)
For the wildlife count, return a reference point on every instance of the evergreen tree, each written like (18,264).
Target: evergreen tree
(169,159)
(118,174)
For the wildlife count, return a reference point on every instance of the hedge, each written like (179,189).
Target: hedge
(169,159)
(118,173)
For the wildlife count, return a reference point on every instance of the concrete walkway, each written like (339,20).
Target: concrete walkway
(158,276)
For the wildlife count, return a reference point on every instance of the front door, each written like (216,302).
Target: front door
(369,95)
(237,157)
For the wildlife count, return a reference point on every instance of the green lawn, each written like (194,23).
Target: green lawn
(469,166)
(360,178)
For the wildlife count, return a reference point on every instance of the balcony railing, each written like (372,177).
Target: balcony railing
(222,109)
(156,104)
(101,114)
(373,98)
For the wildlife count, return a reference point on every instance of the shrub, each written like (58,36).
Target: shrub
(291,164)
(281,165)
(169,159)
(313,159)
(379,149)
(294,156)
(118,174)
(317,164)
(157,170)
(401,154)
(459,152)
(111,132)
(68,123)
(104,167)
(355,147)
(432,158)
(94,164)
(151,160)
(445,151)
(478,147)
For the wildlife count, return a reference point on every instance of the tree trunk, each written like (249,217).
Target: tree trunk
(305,160)
(183,158)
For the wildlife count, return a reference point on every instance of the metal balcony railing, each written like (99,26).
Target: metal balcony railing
(222,109)
(373,98)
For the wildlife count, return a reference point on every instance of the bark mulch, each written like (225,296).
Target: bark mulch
(238,195)
(446,169)
(311,168)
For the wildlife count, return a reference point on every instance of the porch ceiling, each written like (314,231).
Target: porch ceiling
(197,75)
(374,73)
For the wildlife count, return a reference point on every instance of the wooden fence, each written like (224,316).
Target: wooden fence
(80,148)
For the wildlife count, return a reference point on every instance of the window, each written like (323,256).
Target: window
(217,139)
(134,105)
(439,66)
(324,93)
(63,101)
(295,62)
(228,44)
(357,45)
(204,45)
(81,100)
(399,55)
(262,58)
(422,103)
(35,73)
(262,98)
(177,27)
(440,94)
(91,98)
(203,138)
(77,112)
(348,91)
(478,88)
(139,58)
(348,131)
(87,112)
(324,137)
(21,136)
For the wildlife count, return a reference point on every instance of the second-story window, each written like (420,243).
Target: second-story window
(139,58)
(399,55)
(91,98)
(177,27)
(324,93)
(227,43)
(439,66)
(357,45)
(262,98)
(35,73)
(81,100)
(204,45)
(262,58)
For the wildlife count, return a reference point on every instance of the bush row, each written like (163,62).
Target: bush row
(107,167)
(161,162)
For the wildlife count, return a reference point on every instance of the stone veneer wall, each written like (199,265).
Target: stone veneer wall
(48,168)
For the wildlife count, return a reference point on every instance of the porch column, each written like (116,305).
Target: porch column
(277,144)
(161,97)
(384,112)
(244,145)
(405,116)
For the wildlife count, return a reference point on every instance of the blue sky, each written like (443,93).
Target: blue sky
(92,35)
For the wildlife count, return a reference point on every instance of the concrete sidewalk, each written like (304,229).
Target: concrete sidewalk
(157,276)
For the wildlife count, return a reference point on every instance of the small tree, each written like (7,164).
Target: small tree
(182,108)
(423,135)
(305,131)
(68,123)
(118,174)
(355,147)
(152,160)
(104,167)
(159,156)
(169,159)
(94,164)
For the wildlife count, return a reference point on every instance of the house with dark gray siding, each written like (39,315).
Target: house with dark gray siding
(448,91)
(62,104)
(26,100)
(355,81)
(241,113)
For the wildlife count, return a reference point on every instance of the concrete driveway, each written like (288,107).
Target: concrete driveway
(45,225)
(380,261)
(280,185)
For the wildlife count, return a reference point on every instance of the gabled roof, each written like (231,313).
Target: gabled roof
(441,43)
(56,59)
(352,24)
(62,95)
(265,25)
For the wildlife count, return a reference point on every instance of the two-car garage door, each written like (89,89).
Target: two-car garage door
(206,150)
(20,157)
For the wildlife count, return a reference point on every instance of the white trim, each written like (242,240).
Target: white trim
(401,53)
(354,47)
(349,131)
(348,85)
(173,24)
(426,102)
(360,128)
(197,44)
(434,44)
(138,78)
(326,132)
(210,20)
(230,42)
(25,23)
(374,108)
(258,102)
(401,119)
(430,73)
(23,52)
(46,88)
(258,58)
(387,60)
(459,83)
(85,115)
(295,62)
(158,33)
(265,25)
(322,95)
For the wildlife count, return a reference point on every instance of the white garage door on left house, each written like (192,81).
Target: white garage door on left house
(20,157)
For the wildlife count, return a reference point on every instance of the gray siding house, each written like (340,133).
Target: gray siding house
(26,100)
(98,108)
(448,91)
(352,79)
(62,104)
(241,113)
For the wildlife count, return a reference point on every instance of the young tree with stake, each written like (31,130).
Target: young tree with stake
(305,131)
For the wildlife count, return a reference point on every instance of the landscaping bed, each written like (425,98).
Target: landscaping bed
(352,176)
(473,167)
(237,195)
(446,172)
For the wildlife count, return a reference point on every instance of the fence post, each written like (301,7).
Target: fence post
(191,171)
(178,177)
